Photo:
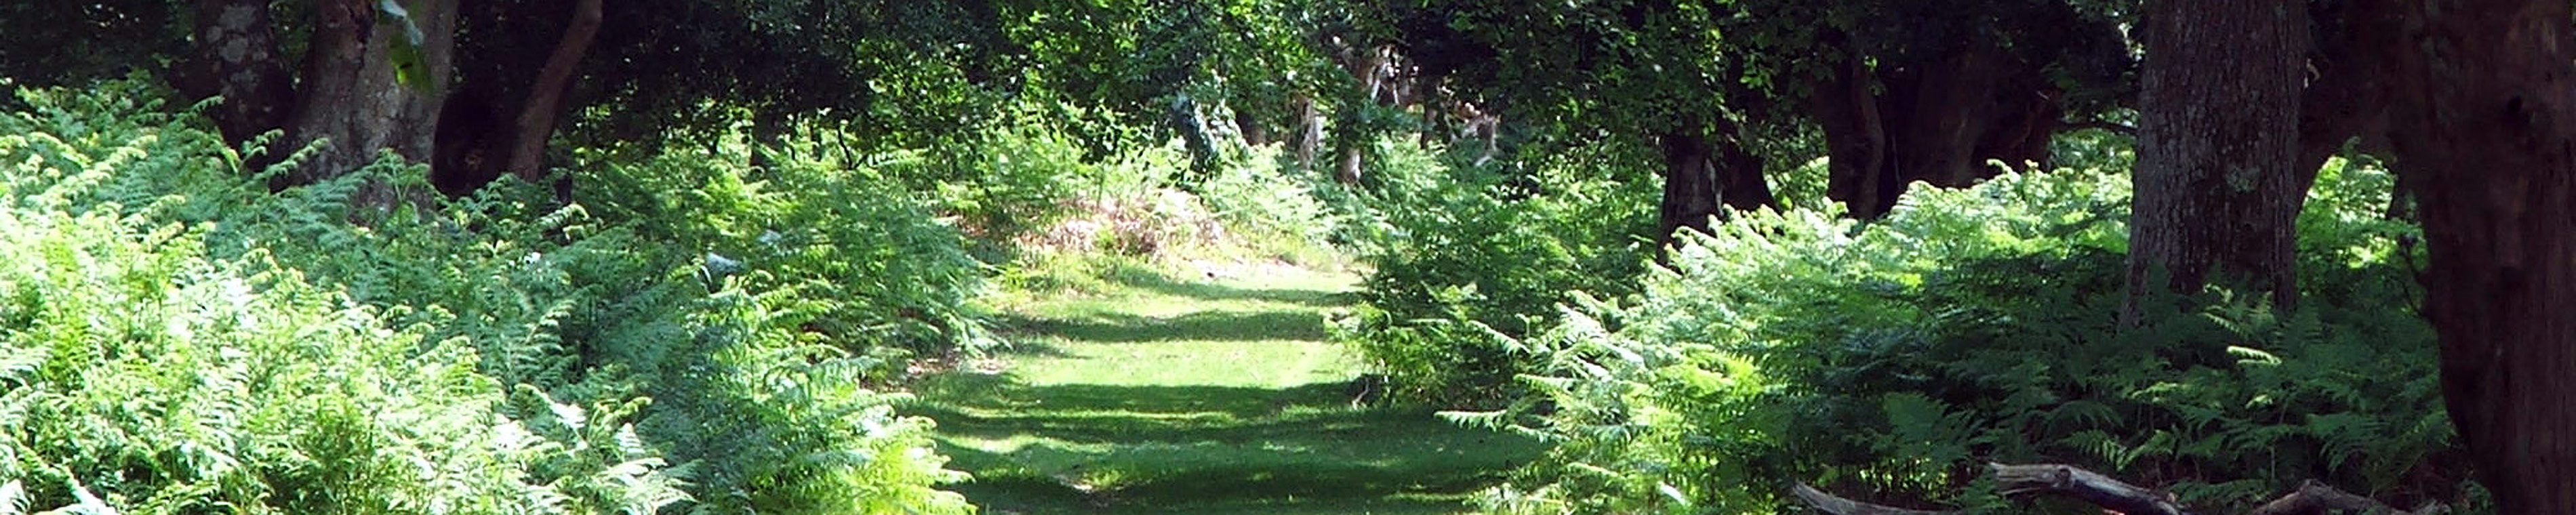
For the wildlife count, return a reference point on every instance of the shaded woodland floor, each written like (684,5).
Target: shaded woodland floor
(1219,397)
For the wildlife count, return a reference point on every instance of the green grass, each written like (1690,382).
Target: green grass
(1161,396)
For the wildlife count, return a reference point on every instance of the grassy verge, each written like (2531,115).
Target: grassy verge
(1162,396)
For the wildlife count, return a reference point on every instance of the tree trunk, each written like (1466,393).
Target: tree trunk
(1254,134)
(1936,121)
(348,94)
(1855,141)
(1740,183)
(2482,125)
(1310,133)
(536,121)
(2217,137)
(1701,172)
(1690,186)
(2343,99)
(238,57)
(1364,64)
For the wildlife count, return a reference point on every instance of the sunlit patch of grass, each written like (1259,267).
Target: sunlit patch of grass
(1170,396)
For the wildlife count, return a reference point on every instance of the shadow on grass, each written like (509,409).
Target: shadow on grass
(1203,325)
(1218,292)
(1129,449)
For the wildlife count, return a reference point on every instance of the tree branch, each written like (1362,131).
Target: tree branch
(545,98)
(2123,130)
(2083,484)
(2316,498)
(1828,503)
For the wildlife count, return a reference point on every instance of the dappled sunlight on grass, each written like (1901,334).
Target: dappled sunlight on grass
(1174,397)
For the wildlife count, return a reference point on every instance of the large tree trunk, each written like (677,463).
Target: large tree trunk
(1937,121)
(1690,186)
(1855,141)
(2217,138)
(2483,124)
(348,94)
(1701,172)
(2343,100)
(237,56)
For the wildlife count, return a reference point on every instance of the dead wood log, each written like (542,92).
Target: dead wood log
(2311,498)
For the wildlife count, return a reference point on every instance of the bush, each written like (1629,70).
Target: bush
(1276,206)
(1467,258)
(1980,325)
(711,349)
(142,374)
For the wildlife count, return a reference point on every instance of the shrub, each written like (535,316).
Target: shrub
(1466,258)
(712,349)
(140,374)
(1980,325)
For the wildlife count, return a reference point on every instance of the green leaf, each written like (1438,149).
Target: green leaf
(411,68)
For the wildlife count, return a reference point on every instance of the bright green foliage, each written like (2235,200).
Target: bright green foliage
(1255,192)
(143,375)
(1467,259)
(712,349)
(1979,325)
(1015,177)
(870,269)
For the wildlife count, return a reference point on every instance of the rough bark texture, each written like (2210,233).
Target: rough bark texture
(2218,135)
(1937,121)
(2484,131)
(348,93)
(1690,186)
(237,56)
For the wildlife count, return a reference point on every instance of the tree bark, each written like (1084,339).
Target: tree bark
(536,122)
(2343,99)
(1690,186)
(238,57)
(1936,121)
(1310,132)
(1701,172)
(348,94)
(2218,135)
(1856,141)
(1365,64)
(2116,496)
(2482,125)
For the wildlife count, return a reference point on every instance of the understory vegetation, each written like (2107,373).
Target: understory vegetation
(179,339)
(1899,356)
(698,334)
(1290,257)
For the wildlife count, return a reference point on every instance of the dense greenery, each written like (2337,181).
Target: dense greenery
(1467,258)
(449,256)
(183,339)
(1979,325)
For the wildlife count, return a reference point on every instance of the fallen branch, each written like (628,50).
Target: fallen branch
(2114,495)
(2101,490)
(2316,498)
(1839,506)
(2114,128)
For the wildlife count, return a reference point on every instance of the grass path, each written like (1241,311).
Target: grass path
(1213,398)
